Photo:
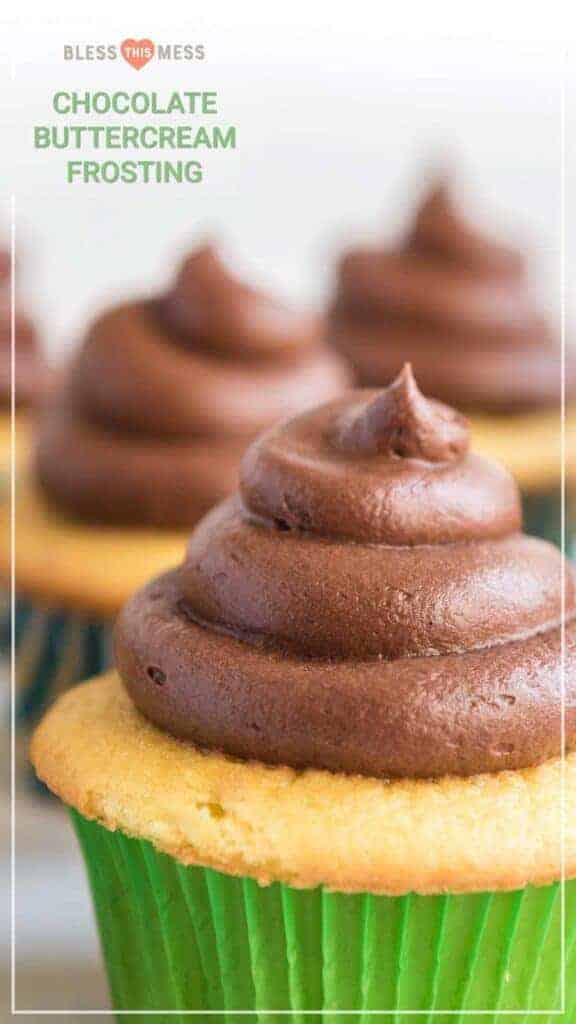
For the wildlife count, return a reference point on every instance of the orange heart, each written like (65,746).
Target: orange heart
(137,52)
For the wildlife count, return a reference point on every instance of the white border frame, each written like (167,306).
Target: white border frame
(308,1013)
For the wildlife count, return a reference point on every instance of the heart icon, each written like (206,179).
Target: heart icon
(137,52)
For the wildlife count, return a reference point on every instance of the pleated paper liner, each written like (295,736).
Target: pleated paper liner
(5,621)
(192,939)
(54,650)
(542,515)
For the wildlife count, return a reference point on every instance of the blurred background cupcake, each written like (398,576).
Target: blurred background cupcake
(32,376)
(465,311)
(143,437)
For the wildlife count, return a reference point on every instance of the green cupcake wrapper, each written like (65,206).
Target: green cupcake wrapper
(192,939)
(54,650)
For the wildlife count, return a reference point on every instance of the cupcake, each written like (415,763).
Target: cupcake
(461,307)
(24,381)
(144,436)
(31,374)
(328,774)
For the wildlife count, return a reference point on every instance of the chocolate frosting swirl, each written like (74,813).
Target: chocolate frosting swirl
(366,603)
(32,377)
(458,305)
(164,395)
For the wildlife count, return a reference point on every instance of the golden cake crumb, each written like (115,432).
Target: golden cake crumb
(310,828)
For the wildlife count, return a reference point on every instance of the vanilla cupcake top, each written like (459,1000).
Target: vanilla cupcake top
(165,393)
(460,306)
(366,603)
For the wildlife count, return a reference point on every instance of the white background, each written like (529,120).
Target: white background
(340,110)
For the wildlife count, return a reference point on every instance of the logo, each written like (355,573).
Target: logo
(137,52)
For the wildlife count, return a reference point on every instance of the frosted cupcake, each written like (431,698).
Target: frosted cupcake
(30,383)
(462,308)
(31,374)
(143,438)
(328,774)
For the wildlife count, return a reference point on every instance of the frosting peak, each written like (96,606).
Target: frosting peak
(441,230)
(402,423)
(386,467)
(212,307)
(357,611)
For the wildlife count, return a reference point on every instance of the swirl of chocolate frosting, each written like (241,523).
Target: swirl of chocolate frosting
(366,603)
(458,305)
(31,373)
(165,394)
